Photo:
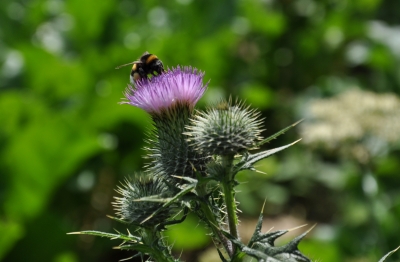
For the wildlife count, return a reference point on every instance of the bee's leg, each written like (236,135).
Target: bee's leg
(160,71)
(142,73)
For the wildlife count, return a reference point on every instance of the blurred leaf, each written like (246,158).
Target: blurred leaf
(387,166)
(11,232)
(257,96)
(381,58)
(178,234)
(320,250)
(87,30)
(263,19)
(66,257)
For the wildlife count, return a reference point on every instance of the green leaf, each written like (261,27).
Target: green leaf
(108,235)
(185,189)
(118,220)
(278,133)
(11,232)
(249,160)
(138,247)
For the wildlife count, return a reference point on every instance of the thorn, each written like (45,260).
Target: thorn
(301,120)
(123,243)
(293,244)
(308,231)
(296,141)
(258,171)
(397,248)
(262,209)
(292,229)
(74,233)
(126,259)
(148,218)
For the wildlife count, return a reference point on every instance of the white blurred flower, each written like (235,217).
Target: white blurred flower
(358,122)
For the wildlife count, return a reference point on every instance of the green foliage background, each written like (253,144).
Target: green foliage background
(65,143)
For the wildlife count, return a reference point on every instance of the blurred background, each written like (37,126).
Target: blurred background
(66,143)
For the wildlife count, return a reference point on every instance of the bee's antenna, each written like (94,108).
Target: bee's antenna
(135,62)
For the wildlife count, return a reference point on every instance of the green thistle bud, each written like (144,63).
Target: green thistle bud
(132,210)
(225,130)
(170,152)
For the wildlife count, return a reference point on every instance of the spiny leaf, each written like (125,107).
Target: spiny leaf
(265,251)
(250,160)
(221,256)
(154,198)
(257,230)
(103,234)
(176,221)
(267,238)
(137,247)
(278,133)
(245,249)
(388,254)
(290,251)
(118,220)
(185,189)
(187,179)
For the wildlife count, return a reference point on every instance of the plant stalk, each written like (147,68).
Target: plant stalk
(212,221)
(229,197)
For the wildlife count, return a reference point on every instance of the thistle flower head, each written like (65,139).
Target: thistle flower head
(170,99)
(176,86)
(225,130)
(132,210)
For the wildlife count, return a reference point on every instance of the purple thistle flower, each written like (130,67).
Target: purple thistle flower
(183,86)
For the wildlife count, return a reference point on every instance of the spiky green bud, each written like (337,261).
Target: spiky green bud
(170,152)
(131,209)
(227,129)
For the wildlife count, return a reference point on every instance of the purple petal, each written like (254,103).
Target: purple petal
(163,91)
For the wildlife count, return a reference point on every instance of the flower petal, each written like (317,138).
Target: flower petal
(163,91)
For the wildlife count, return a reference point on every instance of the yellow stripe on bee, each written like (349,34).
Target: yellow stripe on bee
(134,67)
(151,58)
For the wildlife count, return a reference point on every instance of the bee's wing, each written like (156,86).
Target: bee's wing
(131,63)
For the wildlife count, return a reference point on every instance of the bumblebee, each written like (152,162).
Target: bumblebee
(147,64)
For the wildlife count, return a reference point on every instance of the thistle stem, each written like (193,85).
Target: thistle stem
(231,209)
(212,221)
(229,197)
